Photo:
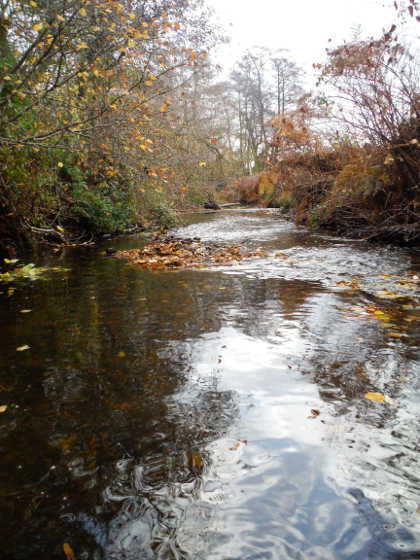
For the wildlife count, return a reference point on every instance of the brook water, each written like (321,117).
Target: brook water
(214,414)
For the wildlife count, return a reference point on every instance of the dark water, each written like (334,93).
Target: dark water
(214,414)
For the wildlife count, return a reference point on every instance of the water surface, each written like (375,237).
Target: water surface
(217,413)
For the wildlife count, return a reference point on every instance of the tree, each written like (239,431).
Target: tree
(378,96)
(86,88)
(254,106)
(260,98)
(288,77)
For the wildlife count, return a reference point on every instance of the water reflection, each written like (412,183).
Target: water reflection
(170,415)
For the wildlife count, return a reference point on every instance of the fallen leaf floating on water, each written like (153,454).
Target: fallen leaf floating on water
(28,272)
(412,318)
(196,460)
(124,406)
(385,294)
(3,408)
(378,314)
(25,310)
(22,348)
(238,444)
(68,551)
(376,397)
(353,284)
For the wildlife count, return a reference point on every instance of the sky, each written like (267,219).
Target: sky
(301,26)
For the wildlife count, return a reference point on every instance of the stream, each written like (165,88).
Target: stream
(268,409)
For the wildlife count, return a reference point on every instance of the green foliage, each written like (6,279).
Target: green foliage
(165,215)
(103,210)
(285,204)
(317,215)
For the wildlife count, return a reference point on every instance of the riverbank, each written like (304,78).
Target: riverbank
(355,192)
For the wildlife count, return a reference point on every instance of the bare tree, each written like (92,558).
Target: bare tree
(288,78)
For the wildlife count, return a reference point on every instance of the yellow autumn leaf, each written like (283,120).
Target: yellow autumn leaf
(22,348)
(163,108)
(130,43)
(82,12)
(60,164)
(375,397)
(149,83)
(68,551)
(132,16)
(37,27)
(7,78)
(33,4)
(202,164)
(3,408)
(82,45)
(121,354)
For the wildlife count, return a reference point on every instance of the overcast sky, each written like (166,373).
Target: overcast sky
(301,26)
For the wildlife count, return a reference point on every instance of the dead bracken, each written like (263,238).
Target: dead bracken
(172,252)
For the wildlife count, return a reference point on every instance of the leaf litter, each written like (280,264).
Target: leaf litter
(172,252)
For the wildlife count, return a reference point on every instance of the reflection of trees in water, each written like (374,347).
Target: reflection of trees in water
(106,446)
(149,494)
(269,302)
